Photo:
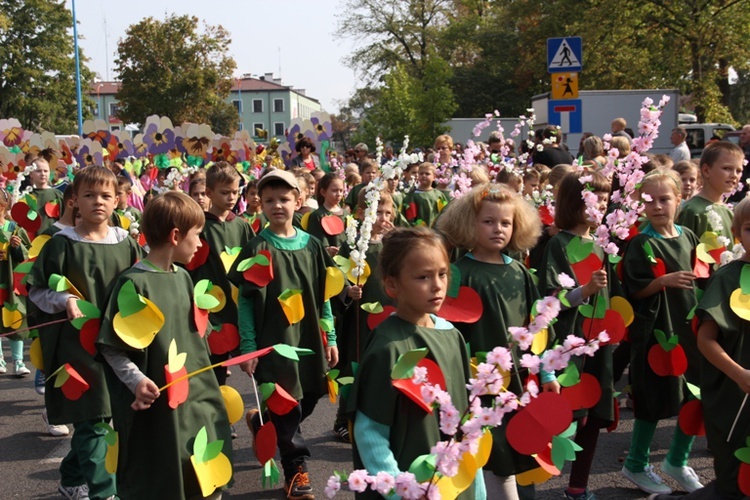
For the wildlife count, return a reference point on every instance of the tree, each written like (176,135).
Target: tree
(171,68)
(37,66)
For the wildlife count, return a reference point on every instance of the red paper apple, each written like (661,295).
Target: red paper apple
(546,216)
(544,459)
(88,335)
(665,363)
(414,391)
(226,339)
(701,269)
(201,320)
(265,442)
(411,211)
(585,394)
(531,429)
(281,402)
(20,214)
(743,479)
(374,320)
(177,393)
(585,268)
(691,418)
(3,294)
(199,258)
(332,225)
(255,225)
(52,209)
(466,308)
(73,386)
(612,322)
(259,274)
(659,268)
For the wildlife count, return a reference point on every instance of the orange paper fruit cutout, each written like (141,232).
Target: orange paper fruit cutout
(332,225)
(174,369)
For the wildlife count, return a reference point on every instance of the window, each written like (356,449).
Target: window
(278,105)
(257,105)
(278,128)
(114,108)
(695,138)
(95,110)
(237,105)
(256,127)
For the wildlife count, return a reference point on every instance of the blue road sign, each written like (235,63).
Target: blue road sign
(564,54)
(572,106)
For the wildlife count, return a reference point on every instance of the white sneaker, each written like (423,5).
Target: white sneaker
(74,492)
(685,476)
(56,431)
(648,480)
(3,368)
(19,369)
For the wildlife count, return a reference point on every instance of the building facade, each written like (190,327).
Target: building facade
(263,103)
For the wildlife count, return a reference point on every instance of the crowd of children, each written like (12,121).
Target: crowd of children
(133,285)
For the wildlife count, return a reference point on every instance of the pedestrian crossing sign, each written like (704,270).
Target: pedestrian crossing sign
(564,85)
(564,55)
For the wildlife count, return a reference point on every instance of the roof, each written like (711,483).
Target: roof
(260,84)
(104,88)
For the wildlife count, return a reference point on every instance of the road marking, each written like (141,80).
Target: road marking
(58,453)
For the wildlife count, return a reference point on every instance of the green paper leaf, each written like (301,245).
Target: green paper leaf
(271,475)
(745,279)
(32,214)
(326,324)
(743,455)
(372,307)
(128,300)
(89,310)
(24,267)
(661,338)
(568,433)
(57,283)
(32,203)
(199,445)
(578,249)
(570,376)
(246,264)
(343,263)
(614,259)
(202,287)
(345,380)
(287,351)
(206,301)
(649,253)
(560,449)
(267,389)
(563,298)
(694,390)
(233,250)
(333,373)
(212,450)
(587,310)
(404,367)
(600,307)
(286,294)
(691,314)
(455,282)
(423,467)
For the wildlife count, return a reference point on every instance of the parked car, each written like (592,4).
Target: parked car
(700,134)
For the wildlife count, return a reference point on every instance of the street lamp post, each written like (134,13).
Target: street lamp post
(78,72)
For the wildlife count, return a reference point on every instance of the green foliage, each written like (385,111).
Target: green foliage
(173,68)
(37,65)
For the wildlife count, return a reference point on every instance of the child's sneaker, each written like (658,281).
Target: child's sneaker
(586,495)
(299,487)
(39,380)
(685,476)
(80,492)
(3,368)
(342,433)
(55,430)
(648,480)
(19,369)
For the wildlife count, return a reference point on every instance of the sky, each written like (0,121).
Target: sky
(291,38)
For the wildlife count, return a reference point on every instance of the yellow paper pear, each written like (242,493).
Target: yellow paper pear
(139,329)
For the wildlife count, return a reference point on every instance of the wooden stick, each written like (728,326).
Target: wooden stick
(257,400)
(739,412)
(191,374)
(48,323)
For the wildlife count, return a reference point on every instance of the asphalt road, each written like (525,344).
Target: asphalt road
(29,458)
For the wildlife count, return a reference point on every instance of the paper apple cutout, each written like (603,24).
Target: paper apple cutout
(113,447)
(667,358)
(52,209)
(465,308)
(332,225)
(226,339)
(200,257)
(743,478)
(691,420)
(138,320)
(70,382)
(411,211)
(26,217)
(257,269)
(413,391)
(612,322)
(212,467)
(265,442)
(88,335)
(546,216)
(277,399)
(585,394)
(177,393)
(531,429)
(586,268)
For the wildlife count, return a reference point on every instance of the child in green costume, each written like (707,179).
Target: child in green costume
(14,244)
(390,430)
(369,171)
(660,303)
(224,234)
(46,196)
(90,256)
(156,431)
(286,306)
(423,205)
(721,170)
(574,224)
(127,214)
(329,192)
(488,220)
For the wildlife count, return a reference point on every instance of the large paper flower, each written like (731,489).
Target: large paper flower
(66,147)
(300,128)
(90,153)
(12,133)
(321,122)
(121,144)
(10,163)
(158,135)
(197,139)
(140,147)
(97,130)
